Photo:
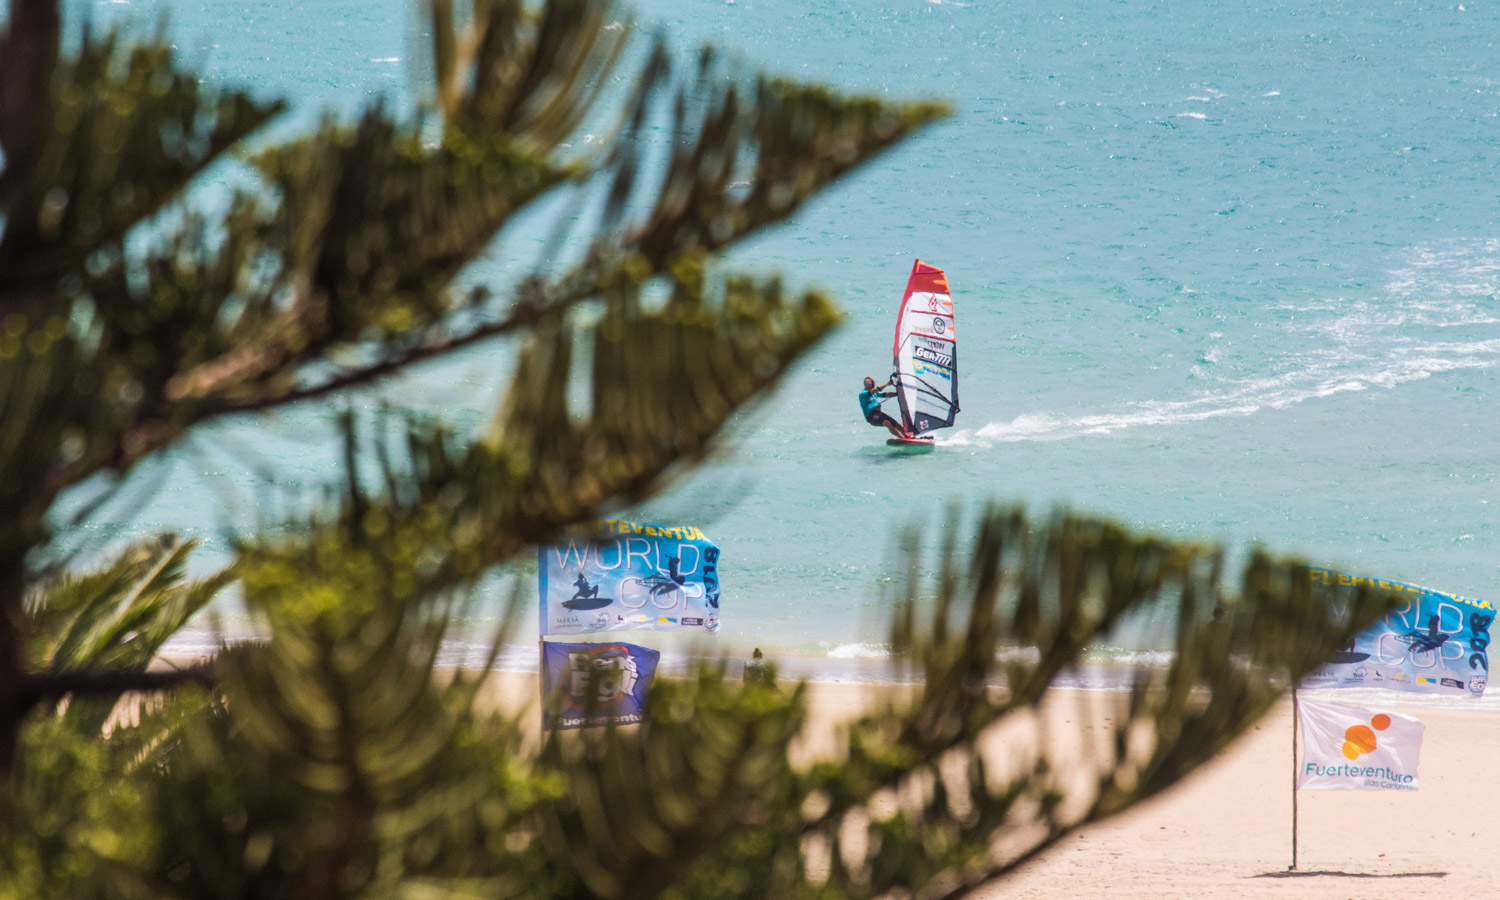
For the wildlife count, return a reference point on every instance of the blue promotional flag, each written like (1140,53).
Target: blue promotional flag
(620,675)
(619,576)
(1433,642)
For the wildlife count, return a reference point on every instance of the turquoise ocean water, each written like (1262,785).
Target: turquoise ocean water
(1225,271)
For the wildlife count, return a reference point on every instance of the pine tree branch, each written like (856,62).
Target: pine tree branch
(199,395)
(42,686)
(522,317)
(72,195)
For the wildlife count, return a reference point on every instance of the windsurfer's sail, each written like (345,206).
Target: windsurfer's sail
(926,352)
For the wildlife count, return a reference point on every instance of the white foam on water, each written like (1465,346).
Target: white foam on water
(1486,703)
(1132,658)
(861,650)
(196,642)
(1047,427)
(1247,399)
(1315,380)
(1018,654)
(1101,667)
(1337,345)
(1191,115)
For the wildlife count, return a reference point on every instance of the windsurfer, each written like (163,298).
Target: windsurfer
(869,404)
(585,590)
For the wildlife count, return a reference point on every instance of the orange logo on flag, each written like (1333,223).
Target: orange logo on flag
(1359,739)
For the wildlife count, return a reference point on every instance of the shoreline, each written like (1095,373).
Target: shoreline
(1224,831)
(1099,673)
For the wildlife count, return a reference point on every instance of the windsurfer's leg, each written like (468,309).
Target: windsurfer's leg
(891,425)
(878,418)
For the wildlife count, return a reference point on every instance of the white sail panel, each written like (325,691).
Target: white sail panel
(926,352)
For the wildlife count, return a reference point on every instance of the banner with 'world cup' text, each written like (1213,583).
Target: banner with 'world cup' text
(1431,642)
(614,575)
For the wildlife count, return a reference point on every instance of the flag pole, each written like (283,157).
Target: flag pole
(1295,717)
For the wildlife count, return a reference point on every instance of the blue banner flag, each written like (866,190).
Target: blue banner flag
(620,674)
(614,575)
(1431,641)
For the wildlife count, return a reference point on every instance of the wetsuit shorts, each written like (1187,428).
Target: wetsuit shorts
(878,418)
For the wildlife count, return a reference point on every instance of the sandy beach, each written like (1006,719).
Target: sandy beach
(1225,832)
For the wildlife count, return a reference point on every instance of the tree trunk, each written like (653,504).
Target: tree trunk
(28,57)
(13,705)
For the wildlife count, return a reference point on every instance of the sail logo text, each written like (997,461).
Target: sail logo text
(932,356)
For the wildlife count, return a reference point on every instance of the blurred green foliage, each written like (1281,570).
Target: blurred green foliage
(331,759)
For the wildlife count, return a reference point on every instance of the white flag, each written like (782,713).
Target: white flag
(1349,748)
